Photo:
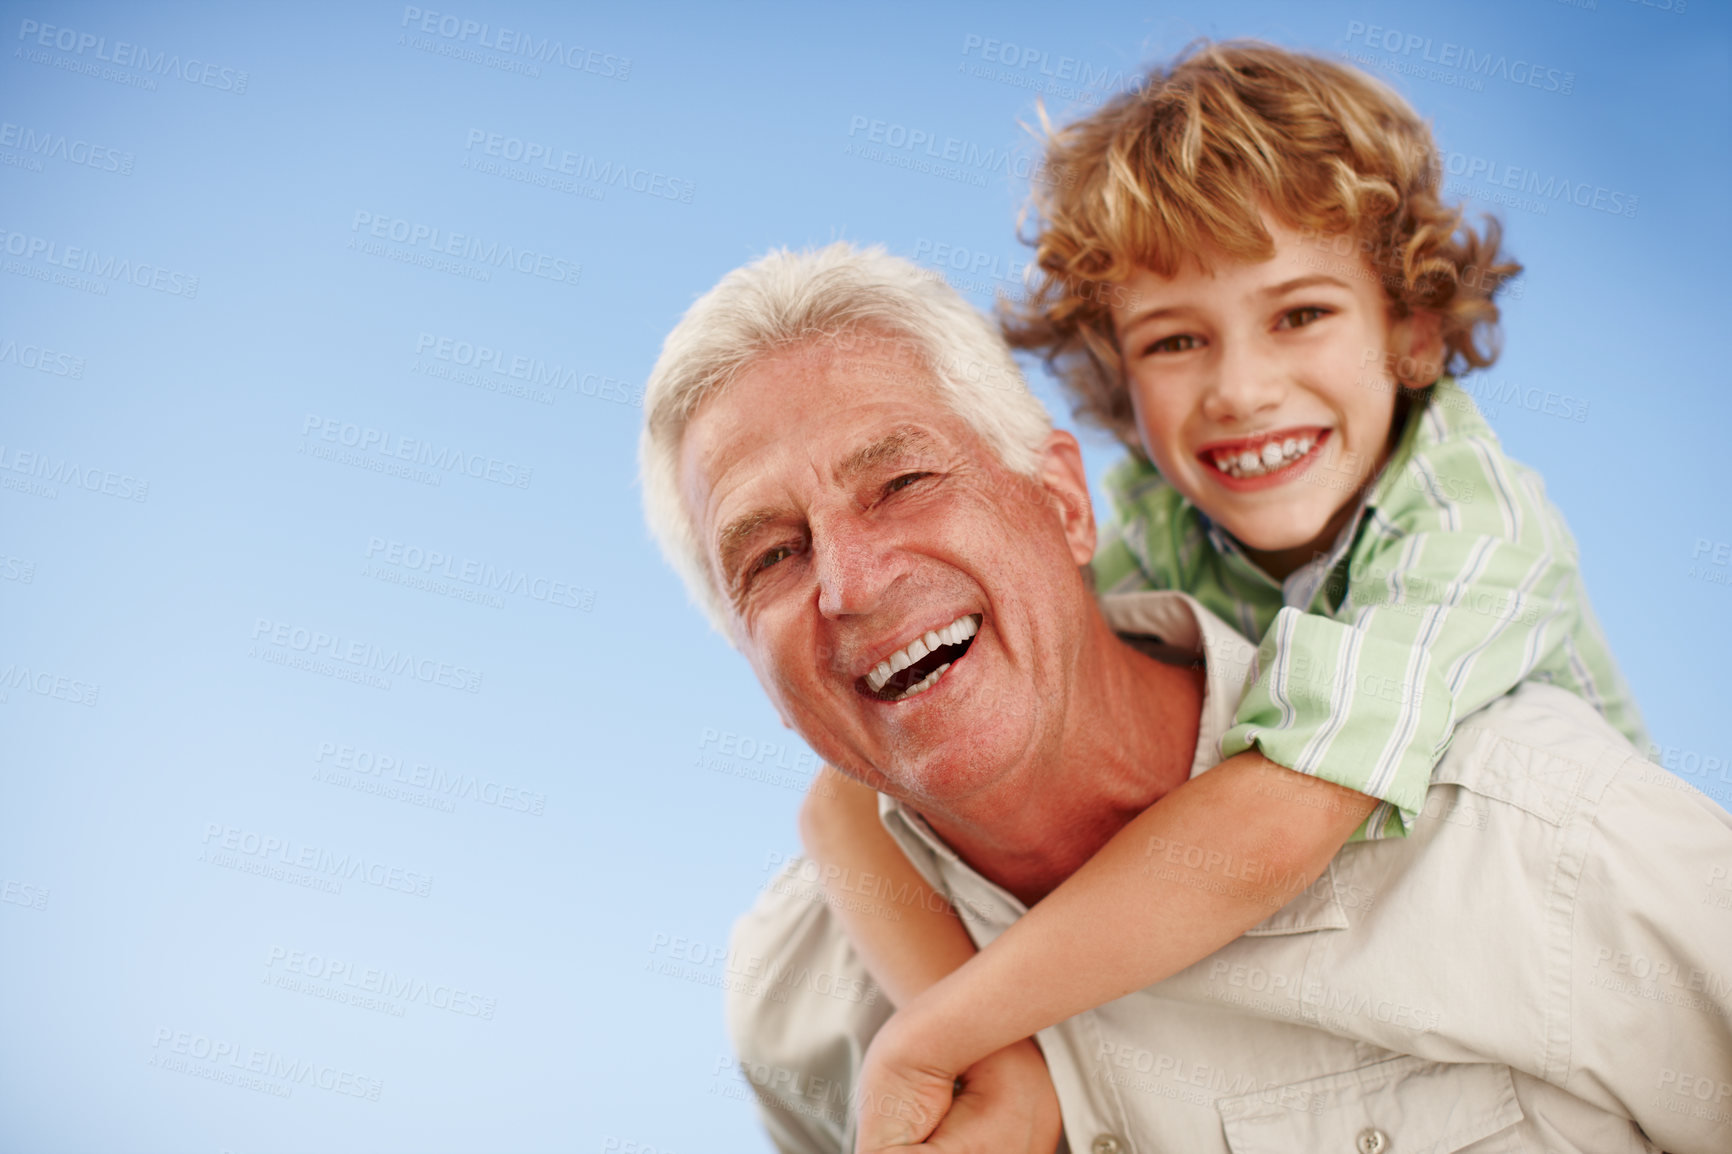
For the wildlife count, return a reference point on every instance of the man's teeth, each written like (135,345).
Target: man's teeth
(924,683)
(1274,455)
(955,633)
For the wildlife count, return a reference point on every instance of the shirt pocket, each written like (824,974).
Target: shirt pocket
(1400,1106)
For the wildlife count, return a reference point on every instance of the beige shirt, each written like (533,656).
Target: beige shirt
(1544,964)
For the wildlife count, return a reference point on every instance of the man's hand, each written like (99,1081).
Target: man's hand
(1006,1103)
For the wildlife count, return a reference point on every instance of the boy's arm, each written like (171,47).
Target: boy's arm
(1007,1101)
(1191,873)
(1462,584)
(907,946)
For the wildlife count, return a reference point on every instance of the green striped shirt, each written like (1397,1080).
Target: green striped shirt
(1457,581)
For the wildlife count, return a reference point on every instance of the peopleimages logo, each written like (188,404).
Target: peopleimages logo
(1064,68)
(563,162)
(925,150)
(511,42)
(45,468)
(41,359)
(364,439)
(46,683)
(102,266)
(482,574)
(439,242)
(1460,58)
(443,783)
(382,981)
(58,146)
(486,361)
(285,853)
(283,638)
(220,1060)
(126,55)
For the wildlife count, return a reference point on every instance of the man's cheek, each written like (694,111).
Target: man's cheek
(829,659)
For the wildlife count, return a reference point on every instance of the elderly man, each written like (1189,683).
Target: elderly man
(840,455)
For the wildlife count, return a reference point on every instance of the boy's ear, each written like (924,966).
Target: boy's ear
(1416,348)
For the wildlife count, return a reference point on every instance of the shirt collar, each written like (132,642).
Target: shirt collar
(1134,478)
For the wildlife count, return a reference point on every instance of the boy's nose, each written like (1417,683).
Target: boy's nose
(1242,386)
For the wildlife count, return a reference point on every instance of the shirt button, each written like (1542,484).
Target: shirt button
(1371,1141)
(1107,1144)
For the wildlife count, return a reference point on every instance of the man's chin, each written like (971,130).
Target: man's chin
(934,756)
(942,779)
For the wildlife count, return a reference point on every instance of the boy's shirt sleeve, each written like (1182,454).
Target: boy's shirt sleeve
(1142,507)
(1157,540)
(1460,581)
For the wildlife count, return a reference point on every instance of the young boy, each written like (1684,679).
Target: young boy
(1285,290)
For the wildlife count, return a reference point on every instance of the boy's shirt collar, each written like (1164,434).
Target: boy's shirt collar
(1140,494)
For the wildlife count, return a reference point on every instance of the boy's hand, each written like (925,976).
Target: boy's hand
(1006,1103)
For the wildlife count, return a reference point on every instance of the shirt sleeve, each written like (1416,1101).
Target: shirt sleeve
(1141,504)
(1462,580)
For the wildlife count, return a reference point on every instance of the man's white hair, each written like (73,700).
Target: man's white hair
(786,299)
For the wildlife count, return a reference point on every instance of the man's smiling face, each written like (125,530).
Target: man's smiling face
(850,520)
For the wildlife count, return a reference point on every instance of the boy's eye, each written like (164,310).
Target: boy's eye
(1299,318)
(1179,343)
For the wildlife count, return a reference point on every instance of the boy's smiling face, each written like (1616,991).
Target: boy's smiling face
(1263,389)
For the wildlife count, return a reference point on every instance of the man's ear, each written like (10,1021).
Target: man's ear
(1067,483)
(1416,348)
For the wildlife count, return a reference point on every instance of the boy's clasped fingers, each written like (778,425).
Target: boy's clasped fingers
(898,1102)
(1005,1104)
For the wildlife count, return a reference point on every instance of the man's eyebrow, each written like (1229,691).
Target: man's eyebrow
(899,442)
(736,533)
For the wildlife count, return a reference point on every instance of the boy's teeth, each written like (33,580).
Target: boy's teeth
(1256,462)
(955,633)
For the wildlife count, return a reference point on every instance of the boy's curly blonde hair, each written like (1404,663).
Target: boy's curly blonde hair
(1184,166)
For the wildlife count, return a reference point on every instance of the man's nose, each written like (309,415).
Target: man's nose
(853,567)
(1243,384)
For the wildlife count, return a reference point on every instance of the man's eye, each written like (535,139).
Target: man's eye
(1181,343)
(899,483)
(779,553)
(1299,318)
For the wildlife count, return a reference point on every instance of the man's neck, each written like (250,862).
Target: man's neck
(1129,738)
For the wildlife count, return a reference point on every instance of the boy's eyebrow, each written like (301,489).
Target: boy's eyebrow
(1301,282)
(1150,314)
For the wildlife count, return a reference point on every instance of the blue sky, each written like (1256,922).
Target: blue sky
(321,558)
